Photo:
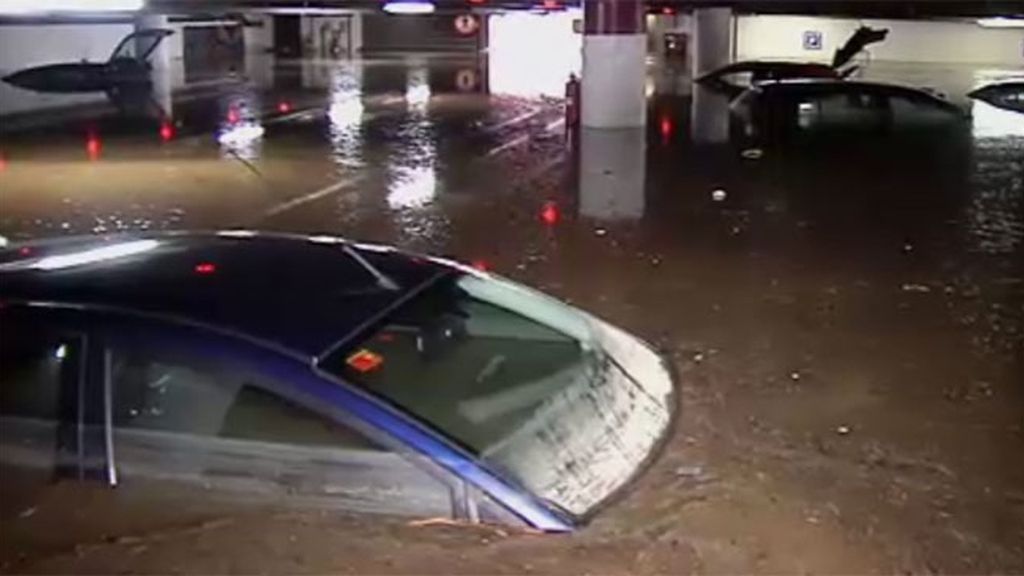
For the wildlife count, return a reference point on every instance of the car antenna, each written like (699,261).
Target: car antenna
(382,279)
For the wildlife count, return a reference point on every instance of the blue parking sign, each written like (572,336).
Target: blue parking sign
(812,40)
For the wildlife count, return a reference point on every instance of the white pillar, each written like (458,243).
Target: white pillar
(160,61)
(613,173)
(712,29)
(614,55)
(712,32)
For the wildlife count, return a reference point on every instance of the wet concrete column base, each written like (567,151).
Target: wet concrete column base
(614,53)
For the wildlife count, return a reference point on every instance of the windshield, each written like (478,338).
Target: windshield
(554,399)
(139,45)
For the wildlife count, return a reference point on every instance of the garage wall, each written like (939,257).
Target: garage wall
(332,37)
(24,46)
(951,42)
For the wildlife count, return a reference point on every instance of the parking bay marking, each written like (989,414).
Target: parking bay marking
(312,196)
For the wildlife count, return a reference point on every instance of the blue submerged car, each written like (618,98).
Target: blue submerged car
(313,372)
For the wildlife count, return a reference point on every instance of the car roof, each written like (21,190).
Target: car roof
(765,65)
(828,86)
(301,293)
(754,65)
(838,85)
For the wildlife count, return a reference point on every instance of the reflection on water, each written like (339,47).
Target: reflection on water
(412,187)
(532,55)
(992,122)
(240,131)
(413,178)
(345,116)
(995,212)
(417,89)
(613,169)
(242,139)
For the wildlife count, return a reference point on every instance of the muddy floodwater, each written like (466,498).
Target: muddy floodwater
(844,310)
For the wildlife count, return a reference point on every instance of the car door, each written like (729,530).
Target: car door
(50,434)
(199,424)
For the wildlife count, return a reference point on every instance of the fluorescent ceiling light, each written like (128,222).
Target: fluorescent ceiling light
(101,254)
(409,7)
(43,6)
(1001,22)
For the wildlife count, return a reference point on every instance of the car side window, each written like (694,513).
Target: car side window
(854,109)
(39,370)
(182,421)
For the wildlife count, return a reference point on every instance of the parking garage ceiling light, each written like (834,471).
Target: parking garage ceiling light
(45,6)
(409,7)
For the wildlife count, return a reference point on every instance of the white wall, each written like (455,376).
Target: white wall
(952,42)
(24,46)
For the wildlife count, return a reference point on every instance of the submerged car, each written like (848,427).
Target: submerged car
(733,79)
(1005,95)
(127,69)
(193,369)
(848,107)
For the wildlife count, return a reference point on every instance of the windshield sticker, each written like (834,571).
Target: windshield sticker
(365,361)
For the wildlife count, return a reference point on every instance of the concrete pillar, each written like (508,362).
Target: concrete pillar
(613,173)
(160,60)
(712,30)
(614,52)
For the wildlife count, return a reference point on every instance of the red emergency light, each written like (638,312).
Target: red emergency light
(166,131)
(549,214)
(93,146)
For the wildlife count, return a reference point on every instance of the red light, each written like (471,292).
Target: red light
(549,214)
(24,251)
(93,147)
(233,116)
(481,265)
(166,131)
(477,1)
(668,11)
(365,361)
(666,129)
(205,268)
(284,107)
(550,4)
